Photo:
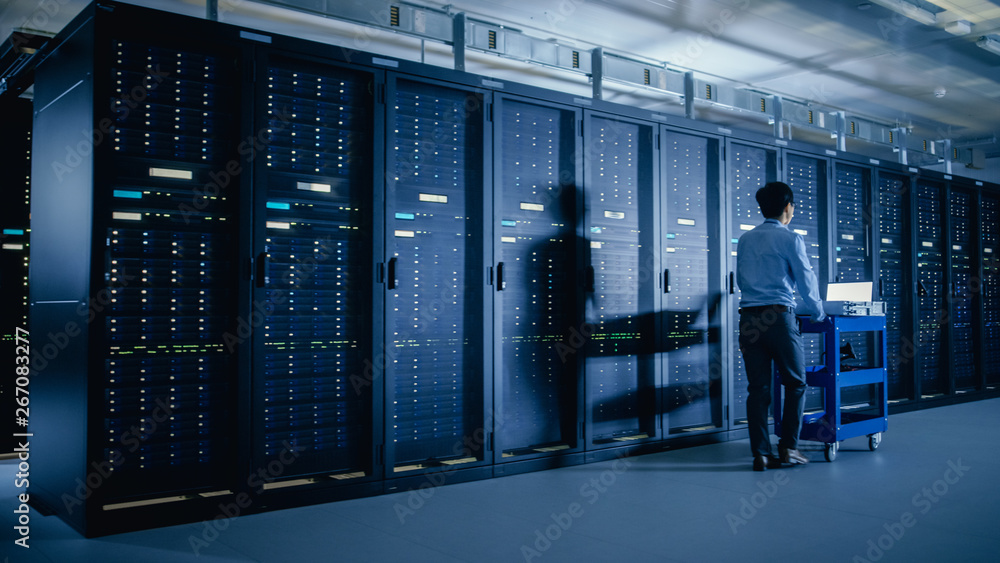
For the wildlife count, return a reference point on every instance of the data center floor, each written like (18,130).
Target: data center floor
(929,493)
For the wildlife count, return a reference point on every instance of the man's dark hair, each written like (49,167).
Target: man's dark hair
(773,198)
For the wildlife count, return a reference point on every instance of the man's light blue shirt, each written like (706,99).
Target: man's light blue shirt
(771,261)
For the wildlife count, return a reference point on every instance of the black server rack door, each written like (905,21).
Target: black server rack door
(991,289)
(807,178)
(619,281)
(894,279)
(316,271)
(852,242)
(932,312)
(749,168)
(435,276)
(15,186)
(691,232)
(537,292)
(171,272)
(853,261)
(964,288)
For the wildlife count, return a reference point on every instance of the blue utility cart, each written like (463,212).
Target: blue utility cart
(831,426)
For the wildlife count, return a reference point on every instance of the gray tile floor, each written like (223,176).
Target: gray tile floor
(904,502)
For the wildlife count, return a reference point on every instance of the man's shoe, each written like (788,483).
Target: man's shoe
(762,463)
(793,457)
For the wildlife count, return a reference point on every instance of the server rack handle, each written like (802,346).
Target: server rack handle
(881,289)
(390,277)
(921,290)
(666,280)
(732,283)
(501,282)
(263,265)
(588,279)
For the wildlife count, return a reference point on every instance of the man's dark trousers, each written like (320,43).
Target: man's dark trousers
(771,334)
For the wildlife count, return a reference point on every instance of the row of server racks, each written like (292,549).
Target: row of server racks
(270,272)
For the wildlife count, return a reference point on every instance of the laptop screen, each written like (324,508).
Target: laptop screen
(854,291)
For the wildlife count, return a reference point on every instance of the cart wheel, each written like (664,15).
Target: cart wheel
(874,440)
(831,451)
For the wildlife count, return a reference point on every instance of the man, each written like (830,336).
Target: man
(771,260)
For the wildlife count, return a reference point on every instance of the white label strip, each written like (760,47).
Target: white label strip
(171,173)
(874,161)
(802,232)
(126,216)
(686,222)
(927,244)
(13,246)
(956,247)
(406,234)
(532,206)
(828,151)
(847,237)
(595,244)
(310,187)
(614,214)
(745,227)
(887,241)
(278,225)
(987,251)
(781,142)
(583,101)
(508,239)
(671,249)
(433,198)
(385,62)
(492,83)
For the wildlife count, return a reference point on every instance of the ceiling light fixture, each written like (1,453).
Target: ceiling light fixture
(990,43)
(909,10)
(958,27)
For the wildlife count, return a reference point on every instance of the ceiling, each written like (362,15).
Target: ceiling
(852,55)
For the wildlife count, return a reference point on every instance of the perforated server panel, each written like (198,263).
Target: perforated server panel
(619,186)
(807,178)
(931,289)
(541,333)
(693,382)
(170,268)
(964,287)
(991,288)
(313,387)
(894,277)
(750,168)
(436,274)
(15,189)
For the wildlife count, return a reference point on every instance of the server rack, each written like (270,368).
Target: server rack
(854,260)
(436,276)
(316,373)
(749,167)
(963,286)
(398,190)
(620,279)
(894,278)
(808,178)
(15,186)
(931,283)
(537,294)
(137,269)
(990,231)
(692,386)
